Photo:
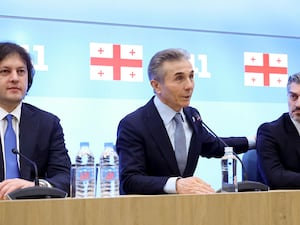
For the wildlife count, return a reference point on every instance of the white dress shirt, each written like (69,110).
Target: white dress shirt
(15,123)
(167,114)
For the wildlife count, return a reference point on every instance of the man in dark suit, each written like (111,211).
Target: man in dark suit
(145,138)
(278,143)
(38,134)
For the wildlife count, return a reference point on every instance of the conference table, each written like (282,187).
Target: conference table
(255,208)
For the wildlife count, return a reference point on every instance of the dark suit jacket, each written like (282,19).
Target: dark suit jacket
(278,148)
(146,155)
(41,139)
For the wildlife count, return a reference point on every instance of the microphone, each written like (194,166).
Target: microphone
(245,177)
(245,185)
(35,192)
(36,178)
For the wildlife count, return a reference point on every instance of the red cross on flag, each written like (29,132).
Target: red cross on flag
(265,69)
(116,62)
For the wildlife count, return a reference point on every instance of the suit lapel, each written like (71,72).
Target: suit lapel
(1,163)
(28,131)
(193,154)
(292,132)
(160,136)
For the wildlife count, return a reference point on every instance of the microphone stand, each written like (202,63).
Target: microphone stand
(35,192)
(245,185)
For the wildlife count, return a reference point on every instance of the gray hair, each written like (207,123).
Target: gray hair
(295,78)
(155,66)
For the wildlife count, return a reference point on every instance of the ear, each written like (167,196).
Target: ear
(155,85)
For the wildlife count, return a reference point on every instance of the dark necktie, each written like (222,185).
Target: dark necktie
(180,143)
(12,169)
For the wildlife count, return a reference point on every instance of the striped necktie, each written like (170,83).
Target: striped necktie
(12,169)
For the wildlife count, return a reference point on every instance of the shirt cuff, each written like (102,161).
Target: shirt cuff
(251,142)
(170,186)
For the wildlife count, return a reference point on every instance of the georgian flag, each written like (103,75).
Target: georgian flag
(265,69)
(116,62)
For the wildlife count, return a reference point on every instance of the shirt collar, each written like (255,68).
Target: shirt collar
(16,112)
(165,112)
(297,125)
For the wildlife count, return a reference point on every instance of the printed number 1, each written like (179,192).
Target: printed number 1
(40,57)
(203,73)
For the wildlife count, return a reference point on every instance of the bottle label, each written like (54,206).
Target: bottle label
(85,173)
(109,174)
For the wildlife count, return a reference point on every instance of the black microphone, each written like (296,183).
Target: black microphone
(245,185)
(35,192)
(36,178)
(245,177)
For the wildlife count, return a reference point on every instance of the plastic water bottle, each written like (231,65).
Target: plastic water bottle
(109,171)
(85,172)
(229,176)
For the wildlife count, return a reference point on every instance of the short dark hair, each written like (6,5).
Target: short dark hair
(7,48)
(294,78)
(156,62)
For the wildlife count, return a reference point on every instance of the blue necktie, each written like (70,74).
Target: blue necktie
(180,143)
(12,169)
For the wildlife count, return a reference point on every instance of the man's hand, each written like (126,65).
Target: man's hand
(193,185)
(10,185)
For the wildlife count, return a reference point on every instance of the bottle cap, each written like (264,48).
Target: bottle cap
(228,149)
(84,144)
(109,145)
